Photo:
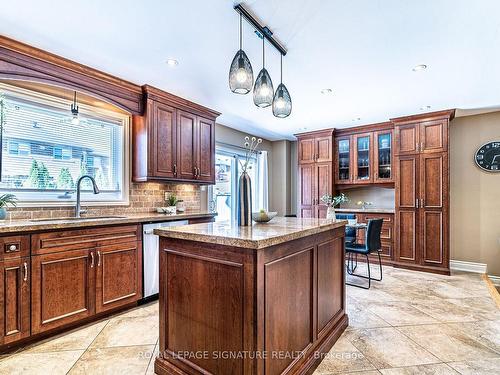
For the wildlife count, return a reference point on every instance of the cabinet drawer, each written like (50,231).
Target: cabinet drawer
(388,218)
(44,243)
(13,247)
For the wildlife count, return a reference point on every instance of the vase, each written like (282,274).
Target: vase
(330,213)
(245,200)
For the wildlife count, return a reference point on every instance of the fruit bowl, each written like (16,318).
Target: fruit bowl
(263,217)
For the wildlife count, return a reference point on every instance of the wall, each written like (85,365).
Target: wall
(144,198)
(380,197)
(474,194)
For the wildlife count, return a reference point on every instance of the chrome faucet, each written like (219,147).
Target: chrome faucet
(78,210)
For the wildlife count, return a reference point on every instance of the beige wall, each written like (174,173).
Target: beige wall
(280,192)
(474,194)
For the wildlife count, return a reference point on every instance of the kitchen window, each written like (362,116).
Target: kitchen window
(44,154)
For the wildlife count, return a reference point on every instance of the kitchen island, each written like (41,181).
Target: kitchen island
(266,299)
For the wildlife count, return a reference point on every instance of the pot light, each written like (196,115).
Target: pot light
(425,107)
(419,67)
(172,63)
(327,91)
(356,119)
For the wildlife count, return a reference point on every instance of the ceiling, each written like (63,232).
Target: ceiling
(364,50)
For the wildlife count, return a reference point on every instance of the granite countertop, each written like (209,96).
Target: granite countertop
(258,236)
(11,226)
(367,210)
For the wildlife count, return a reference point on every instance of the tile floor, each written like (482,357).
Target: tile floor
(410,323)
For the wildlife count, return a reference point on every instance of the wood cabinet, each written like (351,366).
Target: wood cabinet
(364,155)
(315,172)
(422,192)
(315,147)
(78,273)
(14,299)
(174,140)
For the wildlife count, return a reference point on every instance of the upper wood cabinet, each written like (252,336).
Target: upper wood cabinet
(422,134)
(174,140)
(364,155)
(315,147)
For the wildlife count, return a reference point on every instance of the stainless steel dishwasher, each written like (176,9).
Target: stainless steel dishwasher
(151,257)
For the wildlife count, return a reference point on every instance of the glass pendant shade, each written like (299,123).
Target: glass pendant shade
(282,102)
(241,74)
(263,90)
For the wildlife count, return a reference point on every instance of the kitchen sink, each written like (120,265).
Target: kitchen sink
(79,218)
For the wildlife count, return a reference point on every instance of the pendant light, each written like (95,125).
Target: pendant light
(263,89)
(240,72)
(74,111)
(282,102)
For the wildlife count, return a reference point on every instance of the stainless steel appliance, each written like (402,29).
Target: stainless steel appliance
(151,257)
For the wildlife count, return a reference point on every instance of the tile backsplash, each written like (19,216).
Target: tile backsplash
(144,197)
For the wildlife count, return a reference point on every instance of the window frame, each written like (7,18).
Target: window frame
(26,197)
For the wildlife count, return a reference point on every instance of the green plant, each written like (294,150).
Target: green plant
(64,180)
(333,201)
(8,199)
(172,200)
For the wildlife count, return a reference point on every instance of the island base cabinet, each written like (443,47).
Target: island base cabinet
(14,299)
(229,310)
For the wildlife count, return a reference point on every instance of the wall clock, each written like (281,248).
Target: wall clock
(487,156)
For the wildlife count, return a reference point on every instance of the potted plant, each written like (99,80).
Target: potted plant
(6,200)
(332,201)
(171,208)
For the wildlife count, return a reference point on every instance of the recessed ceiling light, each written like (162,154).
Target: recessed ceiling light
(172,62)
(326,91)
(419,67)
(356,119)
(425,107)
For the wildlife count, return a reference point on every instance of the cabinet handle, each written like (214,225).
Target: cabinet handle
(175,169)
(98,258)
(25,265)
(91,259)
(416,203)
(195,172)
(422,202)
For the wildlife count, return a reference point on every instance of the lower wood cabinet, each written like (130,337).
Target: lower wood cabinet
(63,286)
(14,299)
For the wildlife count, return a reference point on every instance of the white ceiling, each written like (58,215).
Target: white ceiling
(364,50)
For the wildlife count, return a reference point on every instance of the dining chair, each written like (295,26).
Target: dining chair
(371,245)
(350,233)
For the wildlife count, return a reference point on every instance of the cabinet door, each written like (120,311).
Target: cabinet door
(407,222)
(205,163)
(14,299)
(343,161)
(434,136)
(186,145)
(119,275)
(163,142)
(324,149)
(307,199)
(63,286)
(433,211)
(407,139)
(322,186)
(306,150)
(383,156)
(363,158)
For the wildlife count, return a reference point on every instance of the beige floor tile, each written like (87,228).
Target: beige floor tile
(150,309)
(79,338)
(487,332)
(483,307)
(387,347)
(361,317)
(446,311)
(110,361)
(480,367)
(120,331)
(446,343)
(343,357)
(437,369)
(151,366)
(370,372)
(400,313)
(53,363)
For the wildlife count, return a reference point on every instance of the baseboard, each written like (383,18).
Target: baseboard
(495,280)
(460,265)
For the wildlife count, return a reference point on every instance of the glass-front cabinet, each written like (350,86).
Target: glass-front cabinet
(383,156)
(344,162)
(363,158)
